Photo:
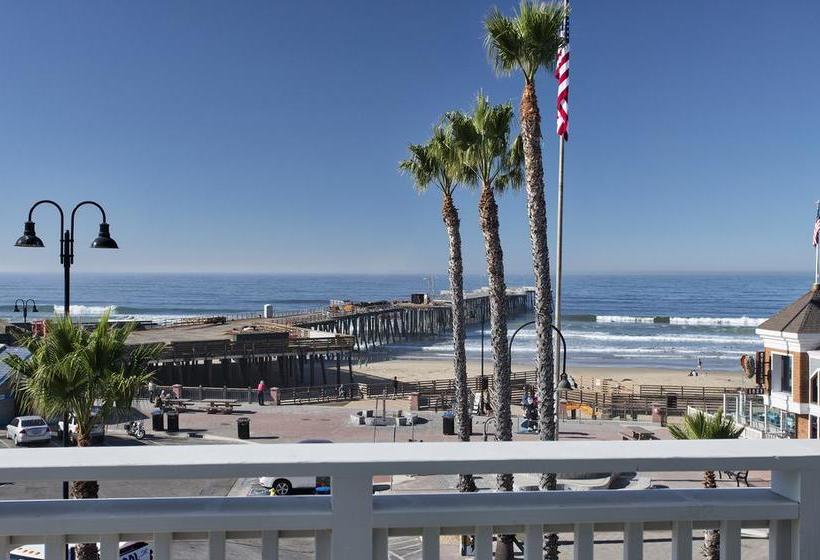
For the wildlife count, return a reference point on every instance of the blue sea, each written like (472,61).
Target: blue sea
(667,321)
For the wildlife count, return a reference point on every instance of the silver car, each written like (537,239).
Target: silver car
(28,429)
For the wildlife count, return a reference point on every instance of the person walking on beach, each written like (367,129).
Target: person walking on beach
(260,392)
(395,386)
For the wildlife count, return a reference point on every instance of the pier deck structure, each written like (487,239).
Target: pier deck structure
(303,348)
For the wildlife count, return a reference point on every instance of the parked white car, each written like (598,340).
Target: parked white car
(281,486)
(28,429)
(97,430)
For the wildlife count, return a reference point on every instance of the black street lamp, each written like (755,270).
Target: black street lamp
(25,307)
(564,384)
(102,241)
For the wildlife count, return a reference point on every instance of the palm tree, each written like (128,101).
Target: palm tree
(91,374)
(529,41)
(441,163)
(494,158)
(699,425)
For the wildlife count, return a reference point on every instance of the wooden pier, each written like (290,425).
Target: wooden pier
(373,325)
(314,348)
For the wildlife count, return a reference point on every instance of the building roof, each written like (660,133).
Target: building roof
(801,316)
(5,371)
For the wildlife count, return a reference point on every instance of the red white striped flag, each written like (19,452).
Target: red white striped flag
(815,237)
(562,75)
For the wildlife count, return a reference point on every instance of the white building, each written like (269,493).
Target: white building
(791,340)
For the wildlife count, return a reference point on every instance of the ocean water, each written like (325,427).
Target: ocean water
(625,320)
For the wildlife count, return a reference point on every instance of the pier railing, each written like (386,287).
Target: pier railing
(352,522)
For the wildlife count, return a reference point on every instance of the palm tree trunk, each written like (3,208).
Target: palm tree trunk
(711,537)
(456,273)
(83,490)
(537,213)
(488,213)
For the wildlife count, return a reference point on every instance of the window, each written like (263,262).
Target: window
(781,373)
(786,374)
(813,387)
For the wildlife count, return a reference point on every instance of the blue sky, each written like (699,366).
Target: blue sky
(264,136)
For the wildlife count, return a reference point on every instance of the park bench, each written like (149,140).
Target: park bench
(737,476)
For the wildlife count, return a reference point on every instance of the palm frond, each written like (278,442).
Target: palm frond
(699,425)
(484,138)
(528,40)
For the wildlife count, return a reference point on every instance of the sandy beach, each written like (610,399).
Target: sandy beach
(429,369)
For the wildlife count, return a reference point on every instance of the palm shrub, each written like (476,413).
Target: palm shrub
(90,373)
(441,163)
(699,425)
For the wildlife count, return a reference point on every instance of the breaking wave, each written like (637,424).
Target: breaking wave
(664,319)
(86,310)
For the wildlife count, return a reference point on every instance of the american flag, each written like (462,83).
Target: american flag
(562,75)
(815,237)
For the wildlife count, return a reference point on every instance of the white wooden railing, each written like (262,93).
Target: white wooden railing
(355,524)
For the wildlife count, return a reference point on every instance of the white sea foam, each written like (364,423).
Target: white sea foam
(722,321)
(622,319)
(661,338)
(86,310)
(702,321)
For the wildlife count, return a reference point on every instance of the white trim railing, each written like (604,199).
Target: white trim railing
(353,523)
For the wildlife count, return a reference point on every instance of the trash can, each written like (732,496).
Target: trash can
(448,427)
(173,421)
(243,427)
(157,420)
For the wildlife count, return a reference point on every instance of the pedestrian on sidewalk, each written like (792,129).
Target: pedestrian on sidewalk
(260,392)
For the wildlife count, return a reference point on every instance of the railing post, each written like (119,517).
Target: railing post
(430,543)
(55,547)
(352,531)
(380,545)
(780,539)
(109,547)
(729,540)
(322,544)
(533,542)
(682,540)
(799,486)
(585,542)
(270,545)
(162,546)
(5,546)
(633,541)
(216,545)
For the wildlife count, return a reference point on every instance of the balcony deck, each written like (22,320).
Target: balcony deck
(353,523)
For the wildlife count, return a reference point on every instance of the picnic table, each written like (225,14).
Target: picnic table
(221,406)
(637,433)
(180,405)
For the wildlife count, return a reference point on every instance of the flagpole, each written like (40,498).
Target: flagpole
(559,250)
(817,256)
